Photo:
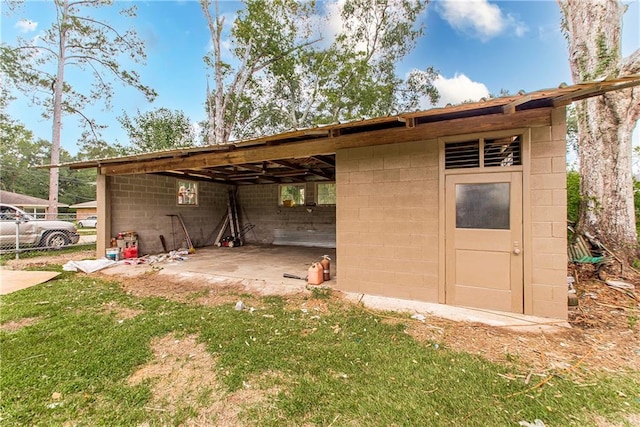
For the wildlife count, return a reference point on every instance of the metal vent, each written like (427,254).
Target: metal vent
(503,152)
(462,154)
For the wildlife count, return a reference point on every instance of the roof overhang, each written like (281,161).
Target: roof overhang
(309,154)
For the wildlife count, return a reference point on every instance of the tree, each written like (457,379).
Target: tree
(264,33)
(20,153)
(92,149)
(160,129)
(77,38)
(605,123)
(287,80)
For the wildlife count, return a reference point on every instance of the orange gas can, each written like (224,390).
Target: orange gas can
(315,274)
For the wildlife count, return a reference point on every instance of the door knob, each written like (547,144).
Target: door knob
(516,247)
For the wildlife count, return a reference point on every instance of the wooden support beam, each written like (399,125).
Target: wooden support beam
(328,146)
(510,108)
(329,161)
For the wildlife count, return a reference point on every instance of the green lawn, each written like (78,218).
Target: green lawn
(70,360)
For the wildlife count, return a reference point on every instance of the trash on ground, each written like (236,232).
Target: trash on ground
(240,306)
(418,316)
(620,285)
(89,265)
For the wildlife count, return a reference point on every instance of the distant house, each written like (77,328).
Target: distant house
(32,205)
(85,209)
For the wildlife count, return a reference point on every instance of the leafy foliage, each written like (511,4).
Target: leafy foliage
(20,152)
(573,195)
(77,40)
(160,129)
(288,78)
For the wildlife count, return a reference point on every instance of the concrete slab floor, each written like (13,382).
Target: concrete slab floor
(260,270)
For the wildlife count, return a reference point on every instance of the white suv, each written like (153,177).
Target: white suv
(34,232)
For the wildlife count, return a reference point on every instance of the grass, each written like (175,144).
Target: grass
(342,367)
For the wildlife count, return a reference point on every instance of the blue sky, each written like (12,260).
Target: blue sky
(478,46)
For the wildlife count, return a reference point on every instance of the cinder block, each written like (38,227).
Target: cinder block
(549,245)
(560,197)
(559,164)
(414,174)
(548,149)
(397,162)
(551,278)
(548,181)
(541,197)
(542,229)
(370,213)
(555,310)
(384,151)
(386,175)
(365,177)
(550,261)
(371,164)
(541,165)
(540,134)
(560,230)
(382,200)
(548,213)
(356,153)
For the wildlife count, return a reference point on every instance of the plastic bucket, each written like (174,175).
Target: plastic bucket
(113,254)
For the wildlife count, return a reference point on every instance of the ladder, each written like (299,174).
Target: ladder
(232,220)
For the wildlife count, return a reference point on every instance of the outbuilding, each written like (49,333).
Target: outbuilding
(85,209)
(463,205)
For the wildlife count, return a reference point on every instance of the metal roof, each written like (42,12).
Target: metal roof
(309,154)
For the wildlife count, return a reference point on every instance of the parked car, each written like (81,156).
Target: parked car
(34,232)
(89,222)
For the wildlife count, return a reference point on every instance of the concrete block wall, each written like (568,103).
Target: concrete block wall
(259,206)
(387,220)
(549,219)
(141,203)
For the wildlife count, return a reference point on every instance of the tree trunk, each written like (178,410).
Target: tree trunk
(58,88)
(605,123)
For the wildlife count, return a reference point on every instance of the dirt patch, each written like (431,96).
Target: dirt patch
(201,292)
(15,325)
(605,335)
(121,313)
(183,380)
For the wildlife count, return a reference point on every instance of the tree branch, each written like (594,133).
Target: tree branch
(36,48)
(109,27)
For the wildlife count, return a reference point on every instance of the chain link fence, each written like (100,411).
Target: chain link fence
(22,232)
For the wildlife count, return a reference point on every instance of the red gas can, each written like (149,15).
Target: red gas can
(131,252)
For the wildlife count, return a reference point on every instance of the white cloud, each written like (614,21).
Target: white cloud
(479,18)
(26,25)
(456,90)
